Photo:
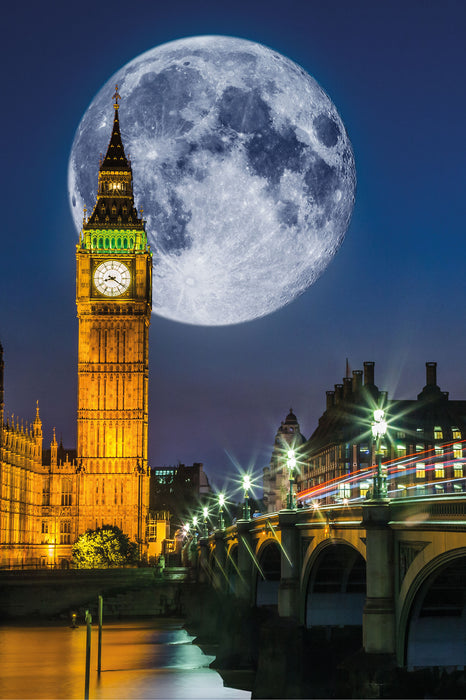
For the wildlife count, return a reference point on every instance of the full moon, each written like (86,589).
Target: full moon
(243,169)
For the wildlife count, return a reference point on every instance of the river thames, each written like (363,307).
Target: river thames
(140,659)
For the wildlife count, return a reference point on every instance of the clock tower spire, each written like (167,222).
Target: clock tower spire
(114,303)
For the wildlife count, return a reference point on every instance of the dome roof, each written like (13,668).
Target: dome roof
(291,418)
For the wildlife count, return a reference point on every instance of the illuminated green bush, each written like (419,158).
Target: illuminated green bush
(105,547)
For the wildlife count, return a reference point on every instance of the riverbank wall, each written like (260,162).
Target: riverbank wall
(126,592)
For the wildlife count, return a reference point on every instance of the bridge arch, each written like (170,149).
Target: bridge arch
(267,579)
(334,586)
(432,624)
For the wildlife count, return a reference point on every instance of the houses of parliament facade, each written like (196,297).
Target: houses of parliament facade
(49,498)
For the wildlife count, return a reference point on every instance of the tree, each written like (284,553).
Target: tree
(103,548)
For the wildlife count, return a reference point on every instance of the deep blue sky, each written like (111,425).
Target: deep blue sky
(395,292)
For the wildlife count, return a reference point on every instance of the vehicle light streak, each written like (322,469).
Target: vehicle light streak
(403,467)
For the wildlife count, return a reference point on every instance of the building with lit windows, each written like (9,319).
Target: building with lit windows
(276,476)
(180,489)
(424,449)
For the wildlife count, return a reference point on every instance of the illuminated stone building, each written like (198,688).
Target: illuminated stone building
(276,482)
(20,484)
(424,441)
(38,494)
(48,498)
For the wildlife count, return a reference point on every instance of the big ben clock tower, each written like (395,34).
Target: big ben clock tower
(114,302)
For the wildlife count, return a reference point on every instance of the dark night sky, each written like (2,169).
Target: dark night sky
(395,292)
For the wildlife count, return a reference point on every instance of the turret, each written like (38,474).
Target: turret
(37,431)
(54,451)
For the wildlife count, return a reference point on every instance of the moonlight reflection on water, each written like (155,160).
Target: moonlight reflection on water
(145,659)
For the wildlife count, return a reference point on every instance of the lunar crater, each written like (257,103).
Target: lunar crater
(243,168)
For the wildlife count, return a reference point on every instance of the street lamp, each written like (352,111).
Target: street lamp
(205,512)
(221,503)
(379,429)
(246,487)
(291,464)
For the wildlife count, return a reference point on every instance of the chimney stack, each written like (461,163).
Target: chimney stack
(368,373)
(338,393)
(357,380)
(347,388)
(330,399)
(431,373)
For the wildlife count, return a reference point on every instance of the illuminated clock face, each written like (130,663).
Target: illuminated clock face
(112,278)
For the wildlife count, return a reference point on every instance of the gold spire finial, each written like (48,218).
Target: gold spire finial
(116,97)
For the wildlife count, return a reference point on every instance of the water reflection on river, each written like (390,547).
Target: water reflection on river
(143,659)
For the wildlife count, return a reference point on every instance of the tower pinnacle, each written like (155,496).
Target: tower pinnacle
(114,208)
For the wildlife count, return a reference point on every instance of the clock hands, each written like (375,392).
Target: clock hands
(114,279)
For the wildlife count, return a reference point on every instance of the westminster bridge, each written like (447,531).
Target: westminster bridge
(396,569)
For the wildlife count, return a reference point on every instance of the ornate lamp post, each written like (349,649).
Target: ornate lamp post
(205,512)
(379,429)
(246,487)
(221,503)
(291,464)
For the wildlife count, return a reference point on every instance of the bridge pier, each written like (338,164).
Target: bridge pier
(220,580)
(245,561)
(288,591)
(203,569)
(379,610)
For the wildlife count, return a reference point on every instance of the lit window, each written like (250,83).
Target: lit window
(400,435)
(46,491)
(458,471)
(344,490)
(456,434)
(401,450)
(419,448)
(363,488)
(458,451)
(439,488)
(65,532)
(420,470)
(66,491)
(438,434)
(439,471)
